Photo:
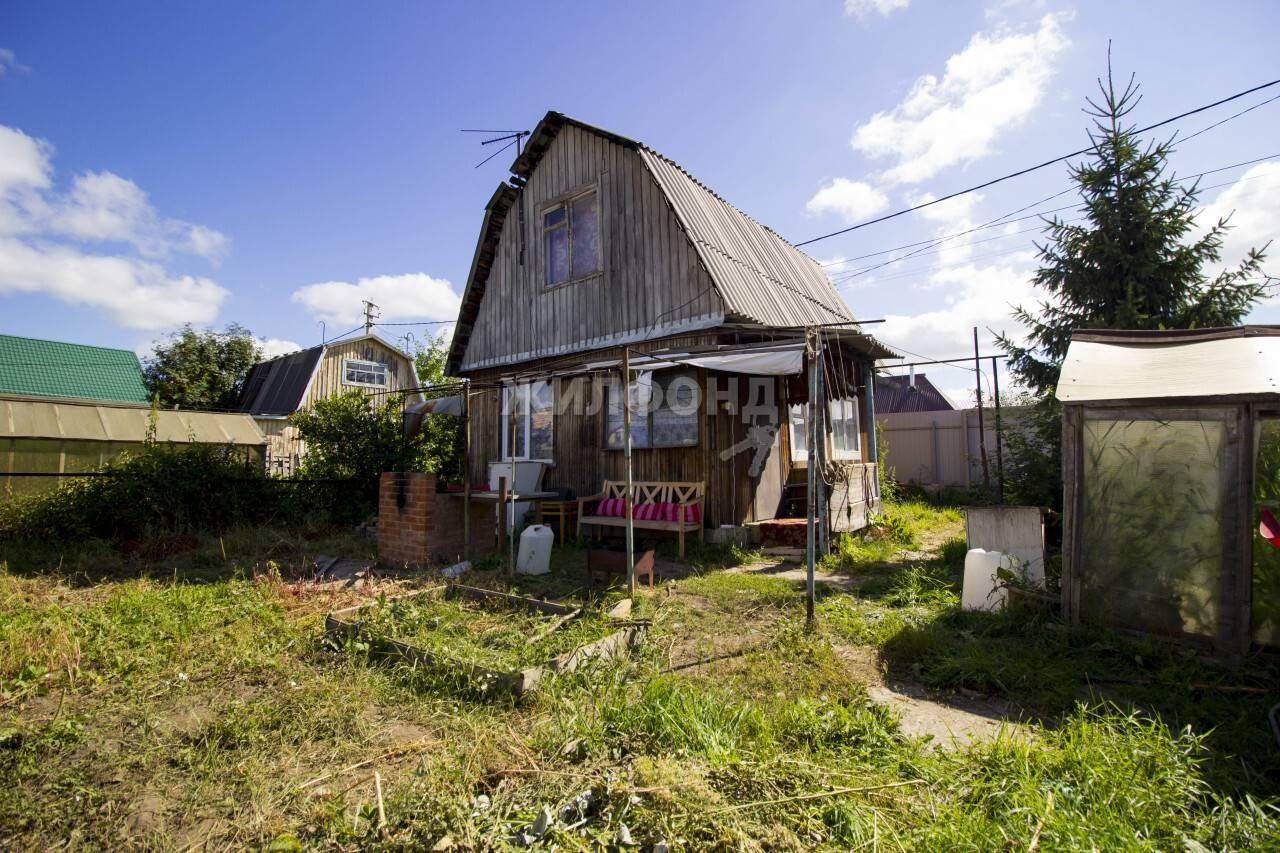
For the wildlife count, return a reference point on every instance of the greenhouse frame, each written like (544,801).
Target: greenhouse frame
(1171,484)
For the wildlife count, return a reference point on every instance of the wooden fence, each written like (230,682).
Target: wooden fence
(941,448)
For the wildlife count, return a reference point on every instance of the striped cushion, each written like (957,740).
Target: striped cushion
(611,507)
(647,512)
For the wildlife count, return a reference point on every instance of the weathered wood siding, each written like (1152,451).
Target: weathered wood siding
(651,274)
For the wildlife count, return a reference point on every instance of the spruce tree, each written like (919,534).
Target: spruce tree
(1133,262)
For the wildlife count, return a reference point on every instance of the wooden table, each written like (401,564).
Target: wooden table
(564,512)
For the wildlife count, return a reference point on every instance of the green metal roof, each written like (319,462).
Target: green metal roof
(36,368)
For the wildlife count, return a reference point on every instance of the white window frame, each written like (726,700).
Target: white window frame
(848,408)
(524,420)
(798,420)
(362,365)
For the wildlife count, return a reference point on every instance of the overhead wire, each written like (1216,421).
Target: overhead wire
(1029,169)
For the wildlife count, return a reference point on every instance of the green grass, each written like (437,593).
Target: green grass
(162,710)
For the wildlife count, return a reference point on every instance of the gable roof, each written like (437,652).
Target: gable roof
(761,278)
(894,394)
(276,386)
(31,367)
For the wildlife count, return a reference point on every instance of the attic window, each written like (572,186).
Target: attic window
(366,373)
(571,232)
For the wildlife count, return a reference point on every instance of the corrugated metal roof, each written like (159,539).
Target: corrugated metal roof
(894,394)
(761,277)
(40,368)
(22,418)
(276,387)
(1137,365)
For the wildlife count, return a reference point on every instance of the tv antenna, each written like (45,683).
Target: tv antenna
(511,137)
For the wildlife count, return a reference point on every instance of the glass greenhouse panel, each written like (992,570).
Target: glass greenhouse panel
(1152,529)
(36,456)
(1266,556)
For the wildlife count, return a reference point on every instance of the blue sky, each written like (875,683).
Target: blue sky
(271,163)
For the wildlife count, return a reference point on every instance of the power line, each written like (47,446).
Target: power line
(1030,169)
(848,275)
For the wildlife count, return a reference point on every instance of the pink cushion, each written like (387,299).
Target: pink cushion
(693,512)
(647,512)
(611,507)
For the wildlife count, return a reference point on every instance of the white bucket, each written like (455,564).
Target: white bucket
(535,550)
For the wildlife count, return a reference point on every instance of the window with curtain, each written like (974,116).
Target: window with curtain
(571,233)
(664,411)
(845,439)
(535,420)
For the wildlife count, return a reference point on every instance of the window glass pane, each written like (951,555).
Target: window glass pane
(553,217)
(1266,557)
(541,421)
(799,431)
(364,372)
(521,426)
(675,421)
(1152,524)
(639,413)
(557,255)
(585,222)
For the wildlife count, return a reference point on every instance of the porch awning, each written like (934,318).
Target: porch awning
(756,361)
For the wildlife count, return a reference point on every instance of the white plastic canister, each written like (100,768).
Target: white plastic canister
(535,550)
(982,589)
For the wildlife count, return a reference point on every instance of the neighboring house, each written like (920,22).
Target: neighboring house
(278,387)
(895,394)
(600,242)
(70,408)
(30,367)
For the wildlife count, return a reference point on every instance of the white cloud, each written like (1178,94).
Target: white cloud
(992,85)
(850,200)
(134,294)
(413,296)
(43,234)
(9,62)
(272,347)
(1253,205)
(862,9)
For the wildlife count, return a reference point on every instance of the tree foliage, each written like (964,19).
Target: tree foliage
(201,369)
(442,435)
(1133,262)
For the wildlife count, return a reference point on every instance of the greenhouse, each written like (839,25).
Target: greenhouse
(1171,476)
(40,439)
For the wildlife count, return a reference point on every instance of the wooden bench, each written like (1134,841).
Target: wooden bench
(685,497)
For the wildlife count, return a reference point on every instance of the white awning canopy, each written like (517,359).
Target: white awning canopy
(1120,366)
(756,361)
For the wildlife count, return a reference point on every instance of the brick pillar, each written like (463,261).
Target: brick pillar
(418,526)
(406,502)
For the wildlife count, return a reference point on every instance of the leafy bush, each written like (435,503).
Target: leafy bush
(160,488)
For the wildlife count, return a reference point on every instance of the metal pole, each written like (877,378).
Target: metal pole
(626,449)
(982,433)
(820,426)
(812,484)
(995,392)
(466,473)
(509,513)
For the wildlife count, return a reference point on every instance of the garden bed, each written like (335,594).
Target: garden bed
(494,641)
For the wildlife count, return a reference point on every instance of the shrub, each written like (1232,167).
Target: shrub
(160,488)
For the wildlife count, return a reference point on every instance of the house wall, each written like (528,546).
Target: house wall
(733,495)
(328,377)
(652,281)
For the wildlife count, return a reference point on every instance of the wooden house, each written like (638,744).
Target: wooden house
(1171,480)
(598,244)
(278,387)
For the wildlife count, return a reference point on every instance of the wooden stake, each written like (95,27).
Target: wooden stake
(382,812)
(982,433)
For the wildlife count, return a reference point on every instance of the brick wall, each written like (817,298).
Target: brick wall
(417,526)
